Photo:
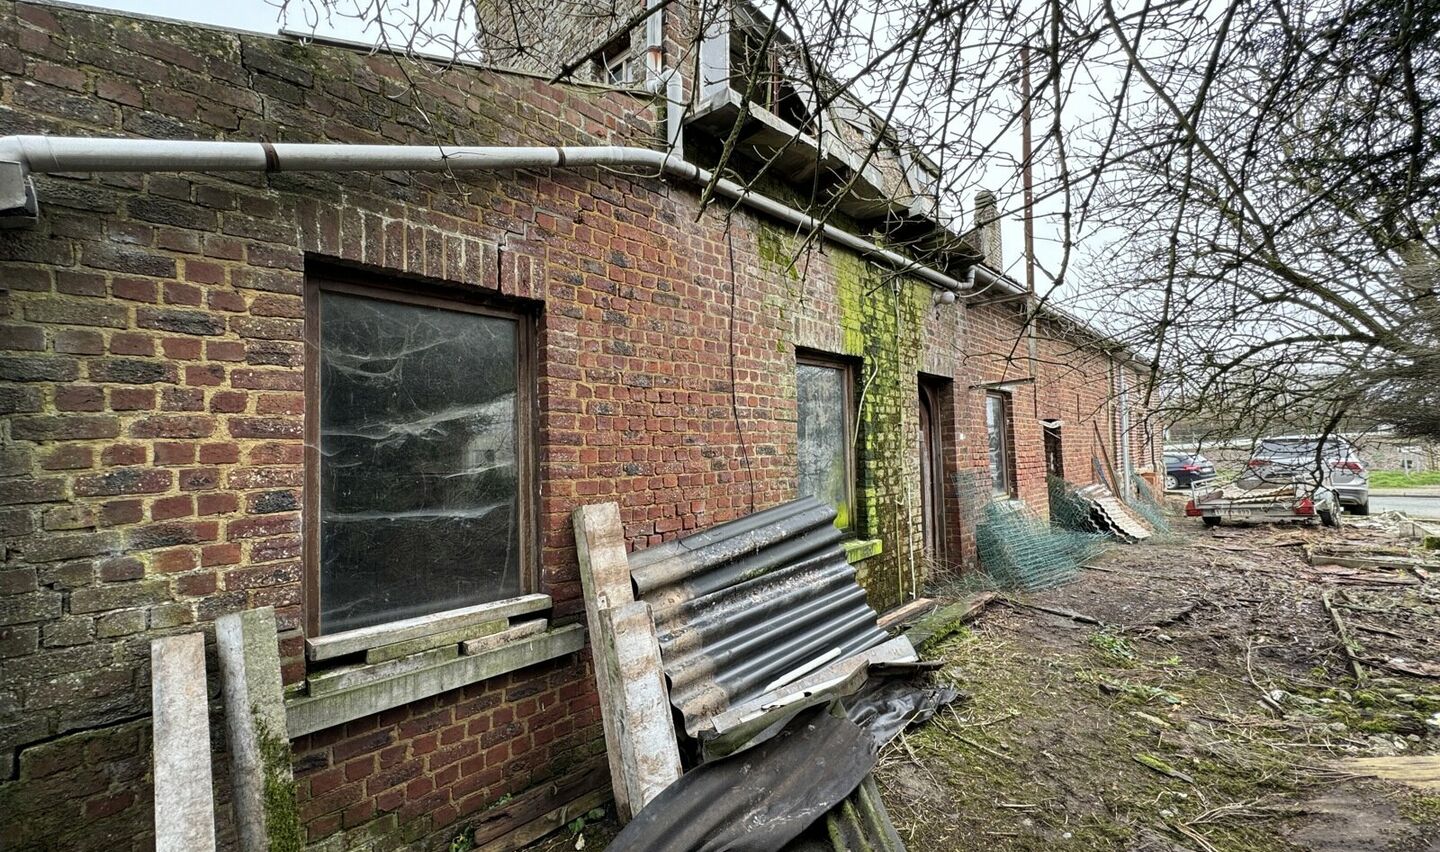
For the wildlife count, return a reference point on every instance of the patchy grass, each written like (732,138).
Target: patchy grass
(1115,649)
(1421,809)
(1398,479)
(1057,752)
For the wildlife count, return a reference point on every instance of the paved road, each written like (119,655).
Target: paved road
(1414,506)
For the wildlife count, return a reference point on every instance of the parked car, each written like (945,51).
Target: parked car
(1336,466)
(1183,470)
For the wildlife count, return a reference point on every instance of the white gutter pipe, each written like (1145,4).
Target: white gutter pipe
(21,155)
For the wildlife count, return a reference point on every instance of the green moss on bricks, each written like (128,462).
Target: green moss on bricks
(881,320)
(282,813)
(776,249)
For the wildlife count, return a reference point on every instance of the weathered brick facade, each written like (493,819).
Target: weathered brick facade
(153,376)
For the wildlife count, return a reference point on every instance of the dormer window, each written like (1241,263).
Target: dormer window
(620,71)
(617,65)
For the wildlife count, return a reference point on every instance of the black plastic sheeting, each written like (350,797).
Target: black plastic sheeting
(760,799)
(888,705)
(747,605)
(773,793)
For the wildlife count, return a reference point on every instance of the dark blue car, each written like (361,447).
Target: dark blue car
(1185,469)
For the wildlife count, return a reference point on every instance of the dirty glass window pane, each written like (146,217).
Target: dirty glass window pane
(996,428)
(821,411)
(419,493)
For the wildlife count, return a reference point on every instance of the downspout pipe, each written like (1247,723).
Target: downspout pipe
(22,155)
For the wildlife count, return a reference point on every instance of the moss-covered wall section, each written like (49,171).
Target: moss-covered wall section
(889,326)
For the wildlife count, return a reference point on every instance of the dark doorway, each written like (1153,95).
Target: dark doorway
(1054,454)
(932,470)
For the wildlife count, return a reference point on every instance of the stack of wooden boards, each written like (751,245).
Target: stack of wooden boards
(729,631)
(395,648)
(370,669)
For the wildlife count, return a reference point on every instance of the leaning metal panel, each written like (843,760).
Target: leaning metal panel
(747,606)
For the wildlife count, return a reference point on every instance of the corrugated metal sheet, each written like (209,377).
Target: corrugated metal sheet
(750,605)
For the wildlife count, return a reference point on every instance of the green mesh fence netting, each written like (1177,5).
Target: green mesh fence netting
(1068,510)
(1019,550)
(1148,506)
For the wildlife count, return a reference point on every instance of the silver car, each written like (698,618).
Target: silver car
(1335,467)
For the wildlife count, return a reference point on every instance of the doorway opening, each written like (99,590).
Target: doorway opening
(932,466)
(1054,451)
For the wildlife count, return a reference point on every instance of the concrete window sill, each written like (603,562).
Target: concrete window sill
(306,714)
(860,549)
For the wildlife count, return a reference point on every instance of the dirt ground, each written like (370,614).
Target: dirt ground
(1213,707)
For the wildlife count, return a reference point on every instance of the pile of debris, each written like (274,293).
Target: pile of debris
(745,685)
(1387,614)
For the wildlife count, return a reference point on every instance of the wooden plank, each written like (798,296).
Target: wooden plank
(501,821)
(901,614)
(605,581)
(437,640)
(536,829)
(349,677)
(497,640)
(634,705)
(325,711)
(604,562)
(365,638)
(184,795)
(943,623)
(646,753)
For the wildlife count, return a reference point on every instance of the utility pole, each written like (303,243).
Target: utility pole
(1029,200)
(1025,170)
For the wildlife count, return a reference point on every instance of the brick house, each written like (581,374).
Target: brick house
(225,390)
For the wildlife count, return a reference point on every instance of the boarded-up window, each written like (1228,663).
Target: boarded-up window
(421,466)
(823,414)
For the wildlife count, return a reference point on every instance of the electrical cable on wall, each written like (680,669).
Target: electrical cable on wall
(734,393)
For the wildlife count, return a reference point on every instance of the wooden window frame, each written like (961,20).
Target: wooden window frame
(407,292)
(847,372)
(1007,448)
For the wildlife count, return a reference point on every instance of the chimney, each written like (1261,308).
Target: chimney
(987,229)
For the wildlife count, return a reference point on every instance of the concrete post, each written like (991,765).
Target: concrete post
(184,793)
(260,766)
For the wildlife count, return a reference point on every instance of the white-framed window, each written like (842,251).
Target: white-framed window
(997,429)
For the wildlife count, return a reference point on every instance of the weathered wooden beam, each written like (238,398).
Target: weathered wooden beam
(410,647)
(350,677)
(365,638)
(503,823)
(548,822)
(906,613)
(648,757)
(504,637)
(604,562)
(945,622)
(634,706)
(184,796)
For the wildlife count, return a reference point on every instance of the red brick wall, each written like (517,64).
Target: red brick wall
(420,768)
(152,387)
